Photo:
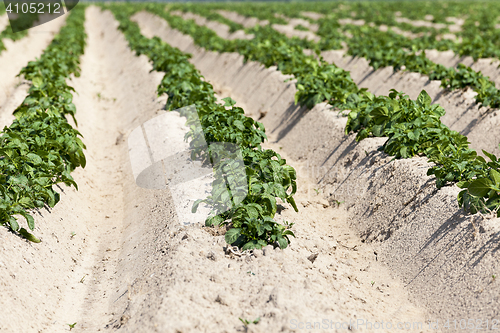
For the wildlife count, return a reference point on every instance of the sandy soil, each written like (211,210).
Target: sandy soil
(296,21)
(445,260)
(51,284)
(247,22)
(17,54)
(114,256)
(4,21)
(351,21)
(313,15)
(420,23)
(287,29)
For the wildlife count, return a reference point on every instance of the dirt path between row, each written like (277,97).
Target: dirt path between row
(70,277)
(221,30)
(287,29)
(17,55)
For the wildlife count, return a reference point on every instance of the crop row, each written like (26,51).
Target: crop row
(412,127)
(383,49)
(480,37)
(267,175)
(40,148)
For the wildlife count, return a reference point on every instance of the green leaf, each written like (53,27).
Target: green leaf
(378,130)
(282,242)
(291,201)
(13,223)
(195,205)
(37,81)
(229,101)
(29,219)
(480,187)
(217,220)
(34,158)
(495,175)
(490,156)
(232,235)
(29,236)
(251,245)
(424,99)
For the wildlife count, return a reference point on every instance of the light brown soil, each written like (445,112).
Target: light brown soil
(296,21)
(247,22)
(71,276)
(4,21)
(114,256)
(313,15)
(17,55)
(290,31)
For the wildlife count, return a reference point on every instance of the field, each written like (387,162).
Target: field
(251,167)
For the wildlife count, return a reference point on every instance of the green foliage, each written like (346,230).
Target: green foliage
(482,194)
(267,175)
(412,127)
(300,27)
(247,322)
(40,148)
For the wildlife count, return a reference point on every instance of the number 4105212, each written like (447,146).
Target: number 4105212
(38,8)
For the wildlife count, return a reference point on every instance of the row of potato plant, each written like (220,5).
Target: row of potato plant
(412,127)
(480,38)
(383,49)
(380,48)
(40,148)
(267,175)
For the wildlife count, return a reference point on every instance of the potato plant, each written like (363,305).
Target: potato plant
(267,175)
(41,149)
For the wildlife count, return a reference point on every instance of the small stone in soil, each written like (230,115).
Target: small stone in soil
(312,257)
